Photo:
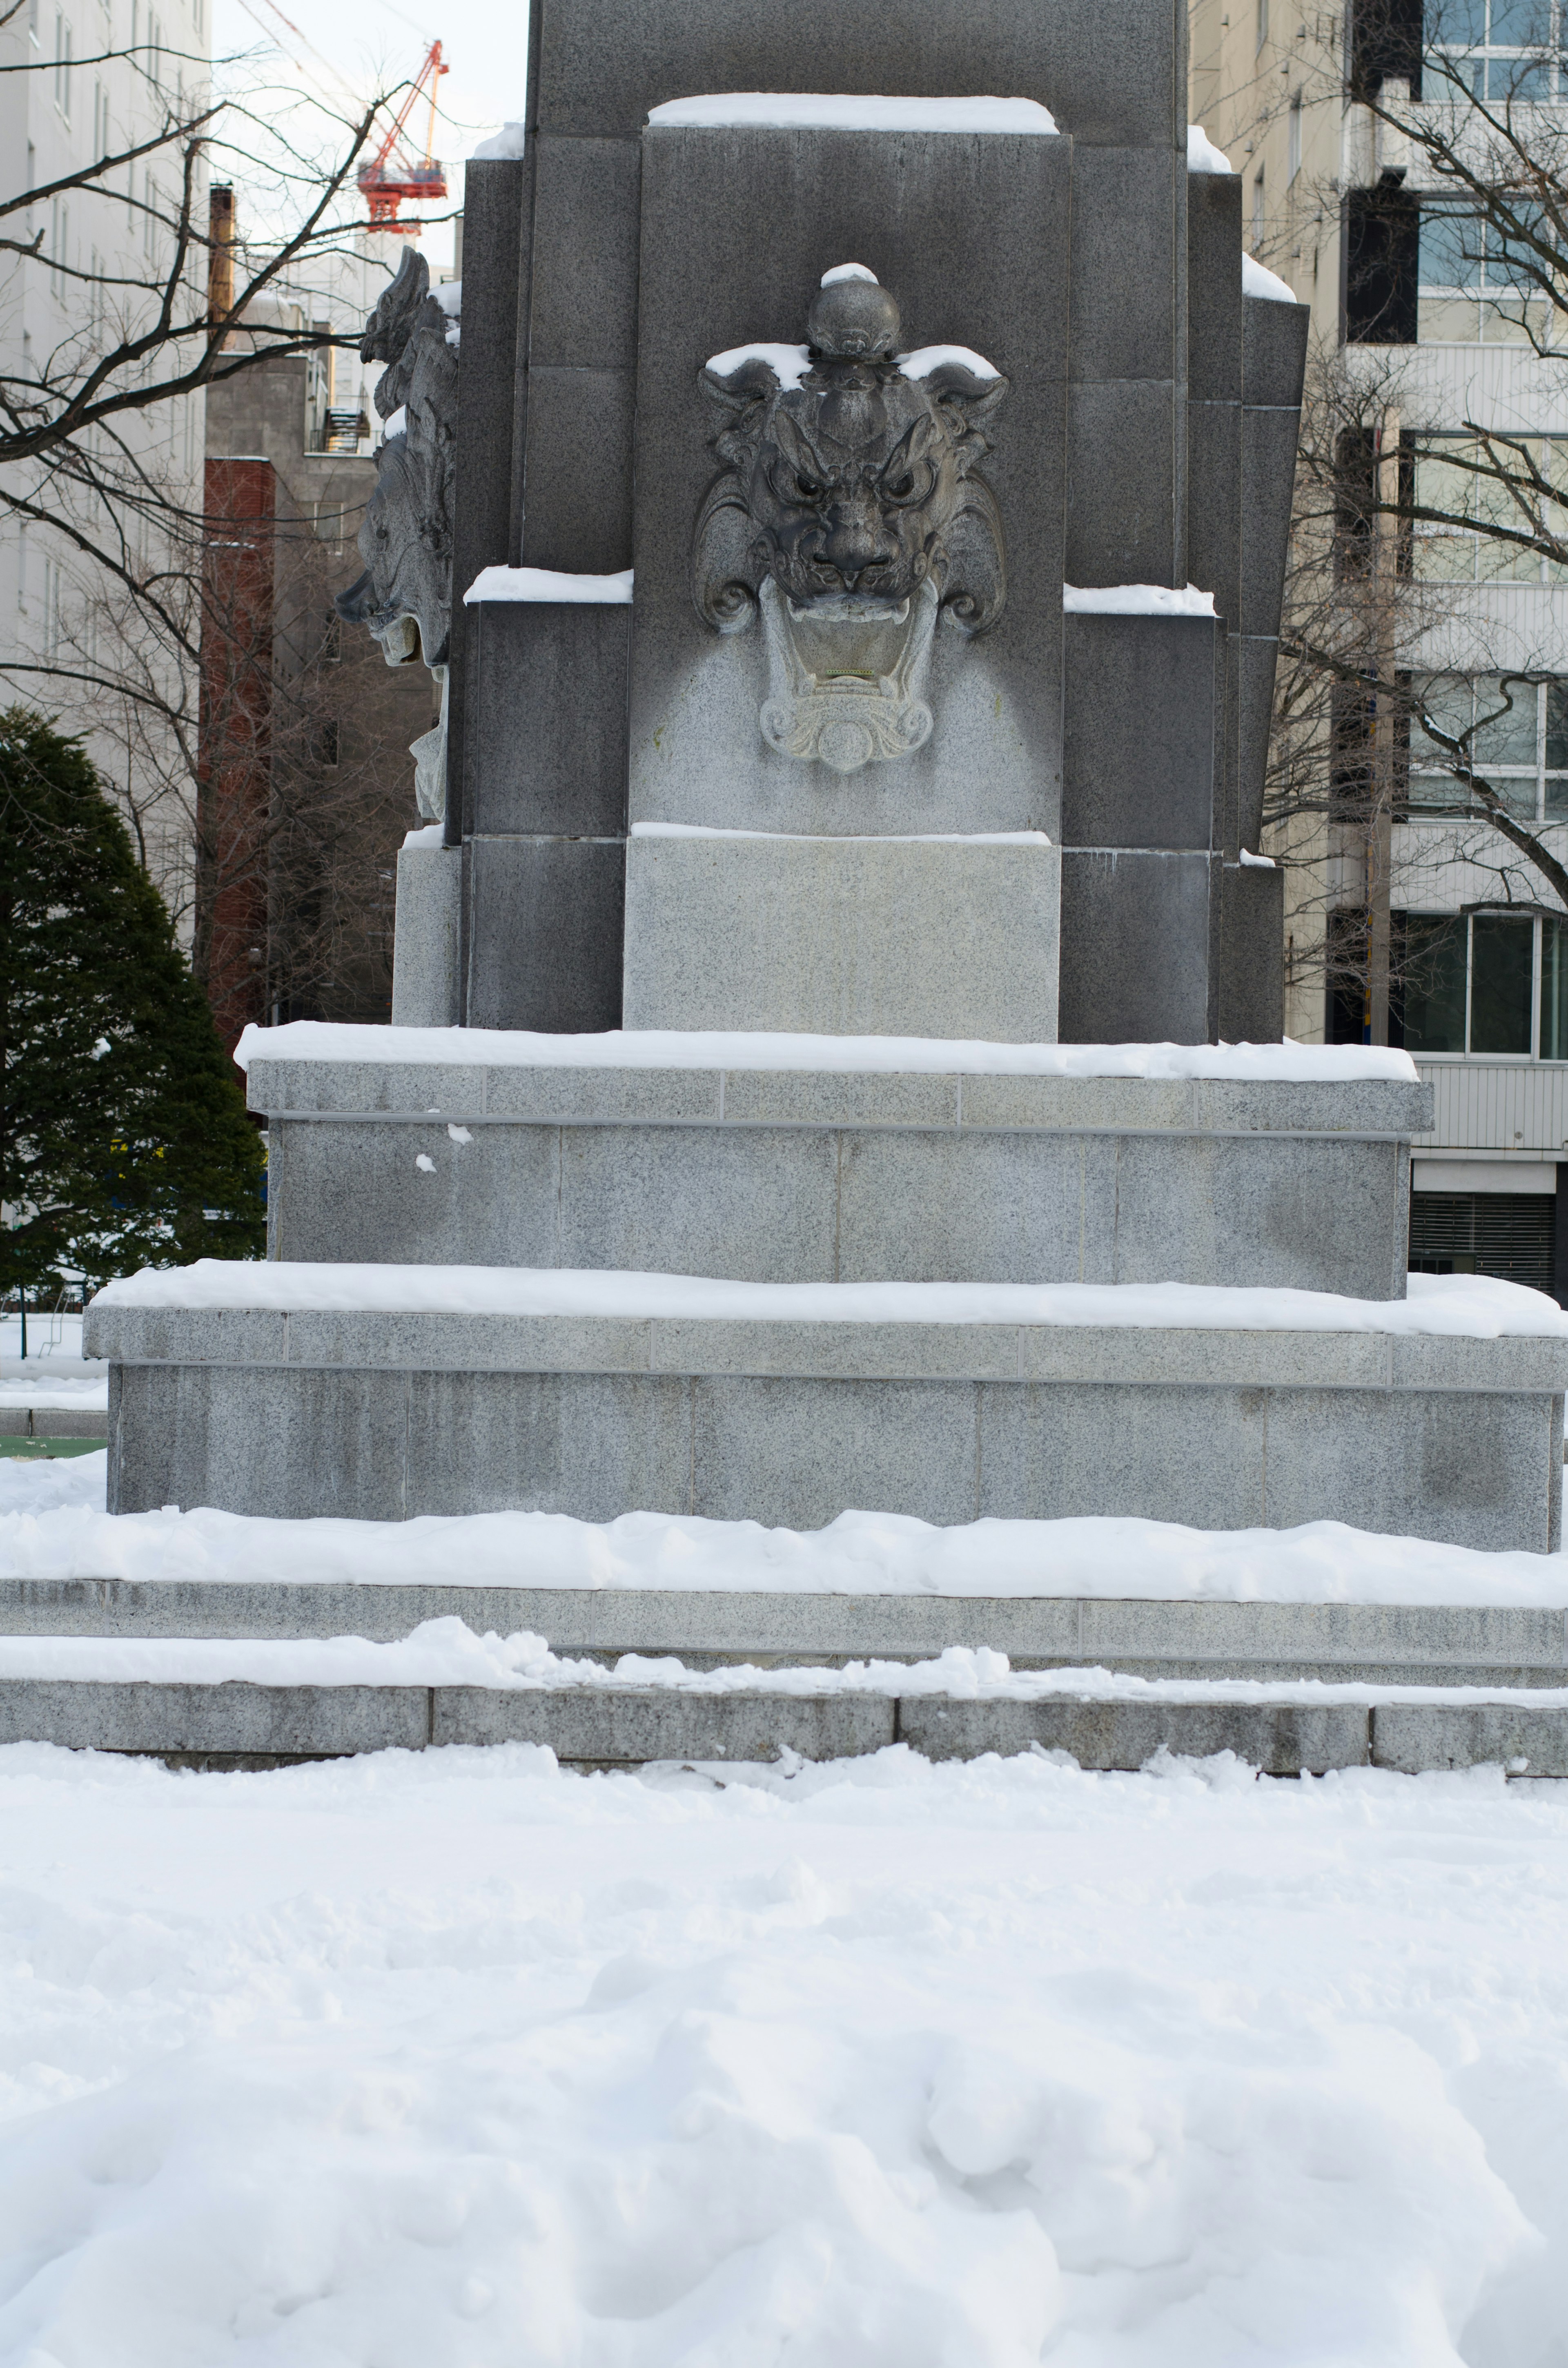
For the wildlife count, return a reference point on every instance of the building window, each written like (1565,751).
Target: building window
(1262,22)
(1258,210)
(1515,735)
(33,33)
(1471,542)
(1472,286)
(1294,151)
(63,45)
(1504,1234)
(1494,50)
(101,119)
(1492,984)
(59,237)
(1382,231)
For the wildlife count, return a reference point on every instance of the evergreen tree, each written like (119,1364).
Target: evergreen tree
(123,1136)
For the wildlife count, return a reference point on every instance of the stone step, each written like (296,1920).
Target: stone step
(1422,1645)
(238,1724)
(378,1414)
(802,1176)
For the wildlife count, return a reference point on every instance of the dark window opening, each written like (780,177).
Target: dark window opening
(1385,45)
(1382,238)
(1508,1234)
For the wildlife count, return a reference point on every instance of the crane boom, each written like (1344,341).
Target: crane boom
(392,174)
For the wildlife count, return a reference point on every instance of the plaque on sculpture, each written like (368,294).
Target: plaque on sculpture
(405,596)
(849,515)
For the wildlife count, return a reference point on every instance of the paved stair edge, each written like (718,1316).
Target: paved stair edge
(596,1725)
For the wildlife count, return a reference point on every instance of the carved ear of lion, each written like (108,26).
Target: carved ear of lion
(727,565)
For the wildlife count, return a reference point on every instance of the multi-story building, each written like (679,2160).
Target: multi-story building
(84,80)
(307,779)
(1340,205)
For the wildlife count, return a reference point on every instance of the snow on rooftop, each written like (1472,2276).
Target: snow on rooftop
(672,1048)
(833,111)
(847,271)
(1203,157)
(1135,600)
(546,584)
(1471,1307)
(1258,281)
(429,834)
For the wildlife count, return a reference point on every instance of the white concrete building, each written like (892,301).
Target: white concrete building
(1486,1013)
(106,75)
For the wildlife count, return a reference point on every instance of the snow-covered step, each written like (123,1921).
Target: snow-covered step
(1518,1644)
(223,1700)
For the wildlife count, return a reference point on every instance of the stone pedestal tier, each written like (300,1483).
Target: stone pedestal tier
(799,1176)
(384,1415)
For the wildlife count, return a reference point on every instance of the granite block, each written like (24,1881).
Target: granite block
(1254,661)
(498,195)
(1436,1360)
(1269,476)
(411,1340)
(1213,290)
(1214,501)
(1464,1467)
(756,1206)
(831,1352)
(593,1445)
(605,1097)
(357,1192)
(577,480)
(1279,1738)
(182,1336)
(798,1453)
(583,295)
(546,748)
(544,937)
(1139,731)
(1273,352)
(447,1088)
(1126,204)
(1183,1361)
(1372,1636)
(1286,1216)
(1110,79)
(862,937)
(626,1726)
(989,1207)
(1355,1106)
(235,1716)
(839,1098)
(1121,482)
(1251,955)
(288,1445)
(1088,1105)
(1161,1455)
(425,937)
(1417,1737)
(1134,962)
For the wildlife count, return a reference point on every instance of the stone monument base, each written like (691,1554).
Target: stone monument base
(303,1411)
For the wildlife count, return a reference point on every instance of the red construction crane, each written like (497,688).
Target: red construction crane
(393,174)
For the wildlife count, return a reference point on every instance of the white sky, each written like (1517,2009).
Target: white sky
(374,43)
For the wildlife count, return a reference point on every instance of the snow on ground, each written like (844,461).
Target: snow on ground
(453,2060)
(52,1525)
(1468,1306)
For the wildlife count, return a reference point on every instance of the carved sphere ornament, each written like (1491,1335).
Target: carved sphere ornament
(848,512)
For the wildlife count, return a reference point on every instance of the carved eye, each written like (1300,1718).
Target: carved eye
(901,487)
(807,488)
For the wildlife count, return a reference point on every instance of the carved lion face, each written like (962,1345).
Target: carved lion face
(856,478)
(853,483)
